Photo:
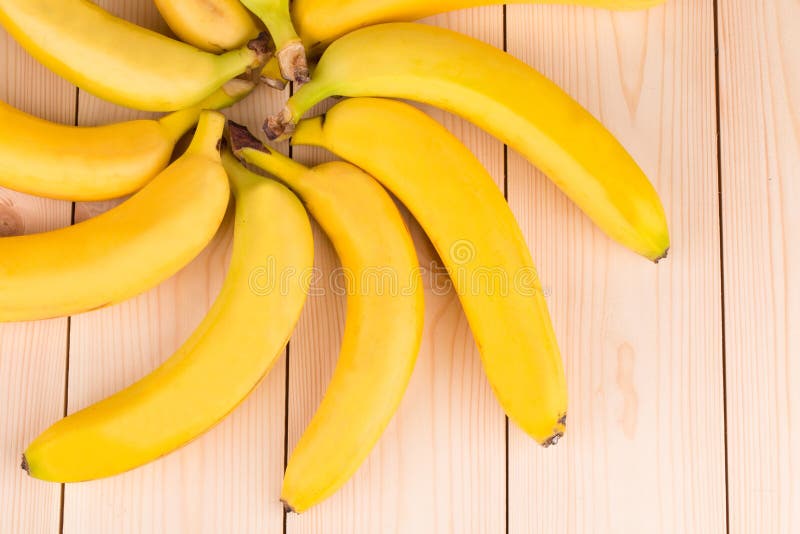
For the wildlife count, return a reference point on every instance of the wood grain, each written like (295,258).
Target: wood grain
(760,158)
(229,479)
(440,466)
(645,450)
(32,355)
(645,445)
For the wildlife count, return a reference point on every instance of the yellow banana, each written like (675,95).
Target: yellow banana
(464,213)
(125,251)
(216,26)
(505,97)
(385,315)
(119,61)
(216,369)
(322,21)
(210,25)
(290,50)
(272,76)
(89,164)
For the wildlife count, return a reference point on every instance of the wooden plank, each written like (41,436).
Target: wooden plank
(32,355)
(643,346)
(229,479)
(760,158)
(440,466)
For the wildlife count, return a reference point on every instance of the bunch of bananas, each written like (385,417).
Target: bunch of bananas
(363,49)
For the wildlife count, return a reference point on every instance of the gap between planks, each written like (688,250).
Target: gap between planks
(722,266)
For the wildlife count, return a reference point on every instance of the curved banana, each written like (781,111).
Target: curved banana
(119,61)
(125,251)
(100,163)
(215,370)
(505,97)
(323,21)
(385,316)
(217,26)
(290,50)
(211,25)
(469,222)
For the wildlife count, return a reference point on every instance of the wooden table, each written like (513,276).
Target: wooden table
(685,378)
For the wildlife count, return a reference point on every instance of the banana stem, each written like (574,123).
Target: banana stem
(178,123)
(207,138)
(250,57)
(249,149)
(279,127)
(229,94)
(257,52)
(293,62)
(290,50)
(241,179)
(282,125)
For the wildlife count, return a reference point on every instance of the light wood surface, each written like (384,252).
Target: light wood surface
(760,148)
(424,473)
(227,481)
(32,356)
(663,362)
(643,343)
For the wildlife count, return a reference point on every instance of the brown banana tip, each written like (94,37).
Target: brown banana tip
(293,63)
(553,440)
(559,433)
(261,45)
(662,257)
(302,75)
(287,507)
(24,465)
(240,137)
(279,126)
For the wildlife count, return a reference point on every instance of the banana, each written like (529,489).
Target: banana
(216,369)
(290,50)
(211,25)
(505,97)
(125,251)
(323,21)
(384,324)
(119,61)
(217,26)
(272,76)
(90,164)
(469,222)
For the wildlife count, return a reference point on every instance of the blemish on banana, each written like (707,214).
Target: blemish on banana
(626,365)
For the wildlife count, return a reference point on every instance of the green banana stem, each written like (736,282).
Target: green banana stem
(249,149)
(291,53)
(208,137)
(241,179)
(282,125)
